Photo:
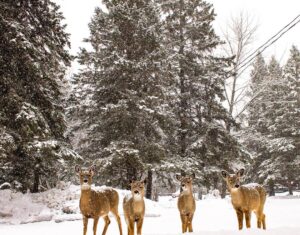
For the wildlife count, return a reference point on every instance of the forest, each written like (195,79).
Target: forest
(151,99)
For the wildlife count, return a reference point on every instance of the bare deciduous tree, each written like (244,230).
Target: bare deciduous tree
(239,35)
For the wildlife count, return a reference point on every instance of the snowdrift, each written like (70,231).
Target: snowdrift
(58,204)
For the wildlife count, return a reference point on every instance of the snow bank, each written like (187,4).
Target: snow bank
(212,217)
(58,204)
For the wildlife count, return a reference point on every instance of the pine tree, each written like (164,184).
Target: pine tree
(285,129)
(33,151)
(126,117)
(274,123)
(202,144)
(266,86)
(258,88)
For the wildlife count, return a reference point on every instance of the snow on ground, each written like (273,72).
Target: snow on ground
(212,217)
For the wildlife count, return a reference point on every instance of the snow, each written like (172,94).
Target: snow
(213,216)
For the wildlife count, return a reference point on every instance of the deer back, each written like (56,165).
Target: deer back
(248,197)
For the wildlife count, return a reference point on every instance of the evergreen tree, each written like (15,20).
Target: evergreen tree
(265,87)
(285,130)
(273,123)
(33,151)
(201,142)
(258,88)
(126,117)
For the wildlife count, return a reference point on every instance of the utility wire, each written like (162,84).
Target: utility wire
(274,36)
(247,61)
(246,65)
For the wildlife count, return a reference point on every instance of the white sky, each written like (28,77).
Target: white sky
(271,16)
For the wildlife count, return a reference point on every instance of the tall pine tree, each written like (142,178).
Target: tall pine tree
(126,117)
(285,130)
(201,142)
(33,151)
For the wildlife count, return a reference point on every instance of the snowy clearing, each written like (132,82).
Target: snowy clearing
(212,217)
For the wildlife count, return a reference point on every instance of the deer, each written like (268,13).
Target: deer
(246,199)
(94,204)
(186,202)
(134,206)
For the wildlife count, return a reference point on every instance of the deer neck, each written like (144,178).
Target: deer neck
(187,192)
(85,194)
(137,198)
(236,196)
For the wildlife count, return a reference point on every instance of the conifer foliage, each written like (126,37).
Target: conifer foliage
(33,151)
(202,143)
(125,114)
(273,132)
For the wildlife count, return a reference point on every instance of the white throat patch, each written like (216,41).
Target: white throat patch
(85,187)
(137,197)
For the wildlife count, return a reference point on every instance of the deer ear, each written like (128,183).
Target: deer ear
(77,169)
(224,174)
(178,177)
(92,169)
(240,172)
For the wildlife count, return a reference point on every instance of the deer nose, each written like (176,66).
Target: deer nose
(85,180)
(237,185)
(136,192)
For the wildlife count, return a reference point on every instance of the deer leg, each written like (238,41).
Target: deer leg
(248,218)
(183,222)
(264,220)
(130,226)
(96,219)
(240,216)
(107,222)
(85,223)
(190,220)
(139,226)
(116,214)
(258,219)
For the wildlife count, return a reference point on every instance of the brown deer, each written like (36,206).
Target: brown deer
(95,204)
(246,198)
(134,207)
(186,202)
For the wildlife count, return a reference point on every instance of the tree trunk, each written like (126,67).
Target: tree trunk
(183,98)
(200,195)
(149,185)
(223,189)
(36,180)
(290,187)
(271,188)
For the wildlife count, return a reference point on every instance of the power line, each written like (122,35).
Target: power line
(246,65)
(274,36)
(247,61)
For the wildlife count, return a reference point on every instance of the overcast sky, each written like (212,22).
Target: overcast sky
(271,16)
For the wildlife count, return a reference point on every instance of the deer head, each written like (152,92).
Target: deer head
(85,176)
(233,180)
(138,188)
(186,182)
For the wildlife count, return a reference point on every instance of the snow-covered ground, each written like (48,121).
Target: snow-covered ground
(58,209)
